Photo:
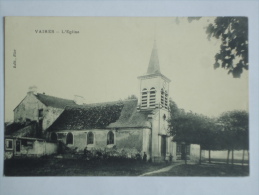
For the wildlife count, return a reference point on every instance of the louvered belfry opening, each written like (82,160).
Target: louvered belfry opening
(162,97)
(144,98)
(166,100)
(152,98)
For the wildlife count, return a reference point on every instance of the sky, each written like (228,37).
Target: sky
(102,61)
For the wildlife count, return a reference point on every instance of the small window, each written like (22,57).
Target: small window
(40,112)
(90,138)
(53,136)
(70,138)
(8,144)
(110,138)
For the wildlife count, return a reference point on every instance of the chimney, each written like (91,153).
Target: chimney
(79,100)
(32,90)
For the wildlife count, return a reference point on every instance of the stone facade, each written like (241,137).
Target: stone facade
(28,109)
(128,141)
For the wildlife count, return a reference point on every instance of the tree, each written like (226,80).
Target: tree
(191,128)
(235,129)
(131,97)
(233,33)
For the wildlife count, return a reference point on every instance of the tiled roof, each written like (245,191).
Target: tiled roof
(131,118)
(119,114)
(54,101)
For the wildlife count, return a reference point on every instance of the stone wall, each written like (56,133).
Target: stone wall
(50,115)
(28,109)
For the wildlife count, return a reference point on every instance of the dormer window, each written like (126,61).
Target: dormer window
(152,98)
(144,98)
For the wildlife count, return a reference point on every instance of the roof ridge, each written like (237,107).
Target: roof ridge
(52,96)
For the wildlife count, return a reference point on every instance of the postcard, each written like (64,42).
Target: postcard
(126,96)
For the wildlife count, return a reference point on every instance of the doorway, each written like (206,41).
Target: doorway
(163,146)
(18,146)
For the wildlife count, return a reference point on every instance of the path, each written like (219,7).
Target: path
(163,169)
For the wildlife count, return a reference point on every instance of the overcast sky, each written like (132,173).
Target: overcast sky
(103,61)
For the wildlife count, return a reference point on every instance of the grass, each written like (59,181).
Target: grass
(113,167)
(77,167)
(206,170)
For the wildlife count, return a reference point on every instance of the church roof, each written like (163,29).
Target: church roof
(119,114)
(54,101)
(153,66)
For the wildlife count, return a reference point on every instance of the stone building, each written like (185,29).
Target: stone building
(131,126)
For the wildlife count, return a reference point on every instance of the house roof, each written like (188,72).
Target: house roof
(21,130)
(119,114)
(54,101)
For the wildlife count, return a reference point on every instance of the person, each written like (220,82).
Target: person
(85,151)
(145,157)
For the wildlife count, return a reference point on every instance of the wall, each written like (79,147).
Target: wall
(28,108)
(195,152)
(129,141)
(238,154)
(50,115)
(37,148)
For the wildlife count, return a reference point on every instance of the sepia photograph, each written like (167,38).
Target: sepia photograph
(126,96)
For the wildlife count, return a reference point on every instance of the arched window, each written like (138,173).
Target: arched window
(110,138)
(152,98)
(70,138)
(162,97)
(144,98)
(53,136)
(90,138)
(166,99)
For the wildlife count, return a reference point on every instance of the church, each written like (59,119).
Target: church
(133,126)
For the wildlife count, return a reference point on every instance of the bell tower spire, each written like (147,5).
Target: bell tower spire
(153,66)
(154,86)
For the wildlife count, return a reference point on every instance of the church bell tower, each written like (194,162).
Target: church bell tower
(154,97)
(154,86)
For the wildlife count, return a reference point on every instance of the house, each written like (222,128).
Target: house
(131,126)
(28,147)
